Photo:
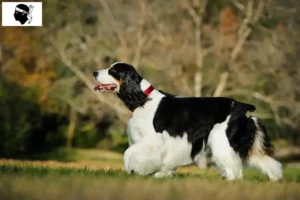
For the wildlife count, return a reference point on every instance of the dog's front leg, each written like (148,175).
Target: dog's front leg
(144,157)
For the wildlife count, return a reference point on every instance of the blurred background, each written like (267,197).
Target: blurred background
(245,49)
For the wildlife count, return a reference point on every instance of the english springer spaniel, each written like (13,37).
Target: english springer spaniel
(168,131)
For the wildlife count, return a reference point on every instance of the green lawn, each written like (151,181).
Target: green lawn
(29,180)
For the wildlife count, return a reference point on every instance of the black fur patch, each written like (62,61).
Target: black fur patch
(197,116)
(241,133)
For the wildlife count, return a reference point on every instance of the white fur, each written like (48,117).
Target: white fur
(177,150)
(201,158)
(165,171)
(104,78)
(141,122)
(145,84)
(223,155)
(263,162)
(144,157)
(267,165)
(143,139)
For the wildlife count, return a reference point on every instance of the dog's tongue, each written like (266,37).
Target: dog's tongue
(105,86)
(97,87)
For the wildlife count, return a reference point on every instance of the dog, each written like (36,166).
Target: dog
(168,131)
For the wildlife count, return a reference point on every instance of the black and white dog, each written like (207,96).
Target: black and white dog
(167,131)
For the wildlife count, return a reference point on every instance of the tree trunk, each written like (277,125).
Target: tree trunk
(71,128)
(199,59)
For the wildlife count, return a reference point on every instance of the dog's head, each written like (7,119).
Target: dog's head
(117,76)
(122,79)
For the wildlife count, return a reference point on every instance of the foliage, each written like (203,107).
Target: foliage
(24,128)
(19,114)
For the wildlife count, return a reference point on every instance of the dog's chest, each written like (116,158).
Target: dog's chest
(141,123)
(139,127)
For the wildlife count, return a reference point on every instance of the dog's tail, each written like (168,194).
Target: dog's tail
(247,107)
(240,109)
(250,107)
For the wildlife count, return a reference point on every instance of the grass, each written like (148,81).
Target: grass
(105,179)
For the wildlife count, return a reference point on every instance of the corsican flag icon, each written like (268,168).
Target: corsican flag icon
(21,13)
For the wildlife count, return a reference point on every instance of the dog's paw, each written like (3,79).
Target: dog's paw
(163,174)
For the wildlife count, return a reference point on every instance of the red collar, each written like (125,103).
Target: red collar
(149,90)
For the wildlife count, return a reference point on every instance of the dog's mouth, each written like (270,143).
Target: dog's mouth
(105,87)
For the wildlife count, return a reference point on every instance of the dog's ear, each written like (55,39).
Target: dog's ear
(131,81)
(130,90)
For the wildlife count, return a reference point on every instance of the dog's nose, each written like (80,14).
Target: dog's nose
(95,74)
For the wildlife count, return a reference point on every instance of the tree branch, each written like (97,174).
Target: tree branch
(121,112)
(110,17)
(222,84)
(140,37)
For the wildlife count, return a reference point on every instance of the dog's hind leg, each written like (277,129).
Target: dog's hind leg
(266,165)
(261,152)
(223,154)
